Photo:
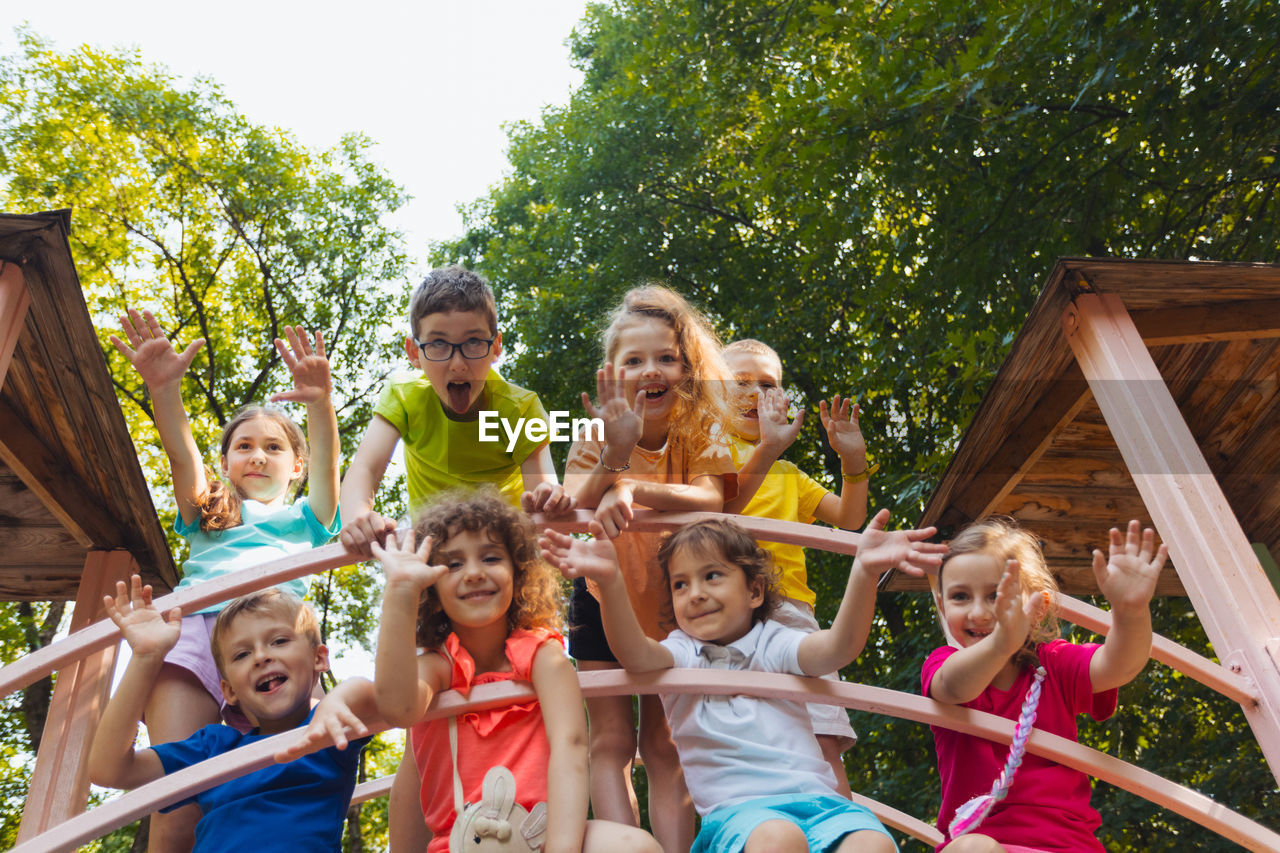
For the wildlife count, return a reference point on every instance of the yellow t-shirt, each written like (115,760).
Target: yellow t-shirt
(441,453)
(787,494)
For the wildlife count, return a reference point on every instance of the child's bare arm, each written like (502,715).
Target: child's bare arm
(1128,580)
(964,675)
(313,386)
(360,524)
(704,493)
(622,430)
(113,762)
(844,434)
(162,368)
(776,435)
(556,684)
(542,489)
(406,827)
(879,551)
(598,561)
(402,701)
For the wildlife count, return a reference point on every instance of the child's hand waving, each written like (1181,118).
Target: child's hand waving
(776,432)
(404,565)
(309,367)
(1015,613)
(843,433)
(148,633)
(595,559)
(150,352)
(881,550)
(623,424)
(1128,578)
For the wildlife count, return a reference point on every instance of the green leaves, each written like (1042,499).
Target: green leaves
(879,191)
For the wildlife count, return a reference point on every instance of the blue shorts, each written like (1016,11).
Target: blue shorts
(825,819)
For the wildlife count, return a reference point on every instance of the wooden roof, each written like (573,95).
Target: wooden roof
(70,481)
(1038,448)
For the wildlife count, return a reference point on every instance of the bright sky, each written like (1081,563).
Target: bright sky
(431,82)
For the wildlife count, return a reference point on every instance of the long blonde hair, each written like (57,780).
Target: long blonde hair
(1003,539)
(702,407)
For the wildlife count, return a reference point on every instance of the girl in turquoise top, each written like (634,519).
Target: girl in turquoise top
(246,519)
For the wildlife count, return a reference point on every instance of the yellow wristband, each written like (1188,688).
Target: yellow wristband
(864,474)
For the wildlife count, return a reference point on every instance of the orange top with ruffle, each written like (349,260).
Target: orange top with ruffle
(512,736)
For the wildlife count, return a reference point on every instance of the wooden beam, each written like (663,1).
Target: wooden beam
(1227,321)
(1058,402)
(14,302)
(56,485)
(1238,608)
(60,783)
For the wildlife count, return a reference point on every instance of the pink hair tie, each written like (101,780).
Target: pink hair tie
(972,813)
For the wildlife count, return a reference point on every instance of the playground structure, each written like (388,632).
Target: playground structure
(1077,374)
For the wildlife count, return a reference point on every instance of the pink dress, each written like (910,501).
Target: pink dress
(512,736)
(1048,806)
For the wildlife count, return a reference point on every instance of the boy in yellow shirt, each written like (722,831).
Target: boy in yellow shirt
(769,487)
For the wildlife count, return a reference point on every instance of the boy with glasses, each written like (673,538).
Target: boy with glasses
(436,412)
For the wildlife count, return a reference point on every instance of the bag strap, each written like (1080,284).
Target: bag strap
(458,805)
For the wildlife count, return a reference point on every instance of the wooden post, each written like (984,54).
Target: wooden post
(1231,593)
(60,784)
(14,301)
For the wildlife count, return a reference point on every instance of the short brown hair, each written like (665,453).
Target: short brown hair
(273,602)
(727,539)
(452,288)
(535,599)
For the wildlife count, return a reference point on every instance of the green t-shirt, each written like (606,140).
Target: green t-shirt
(441,453)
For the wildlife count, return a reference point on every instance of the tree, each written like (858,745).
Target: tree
(878,190)
(226,229)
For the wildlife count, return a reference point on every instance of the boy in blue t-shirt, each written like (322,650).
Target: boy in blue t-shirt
(268,651)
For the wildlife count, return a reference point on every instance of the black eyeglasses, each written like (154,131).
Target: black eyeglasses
(471,348)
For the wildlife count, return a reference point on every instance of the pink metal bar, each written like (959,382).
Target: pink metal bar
(14,302)
(1212,675)
(60,783)
(1231,594)
(1176,798)
(40,663)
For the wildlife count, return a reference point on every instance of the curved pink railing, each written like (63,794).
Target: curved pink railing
(177,786)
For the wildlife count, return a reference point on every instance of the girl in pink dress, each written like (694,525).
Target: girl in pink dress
(997,601)
(475,595)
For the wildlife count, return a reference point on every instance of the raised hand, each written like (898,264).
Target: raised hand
(405,565)
(777,433)
(1128,577)
(623,422)
(595,559)
(1016,613)
(308,365)
(146,630)
(881,550)
(150,352)
(843,433)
